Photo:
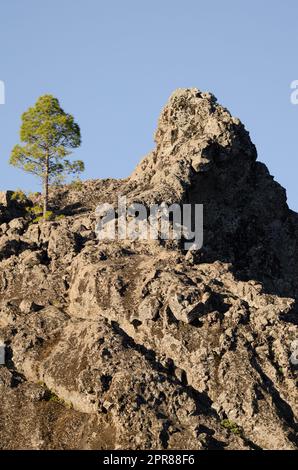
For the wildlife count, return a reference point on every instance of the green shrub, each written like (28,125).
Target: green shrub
(231,426)
(19,196)
(35,210)
(40,218)
(37,213)
(53,398)
(76,185)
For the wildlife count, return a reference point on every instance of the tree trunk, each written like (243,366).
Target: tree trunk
(46,189)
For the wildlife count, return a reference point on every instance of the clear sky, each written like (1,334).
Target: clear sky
(114,63)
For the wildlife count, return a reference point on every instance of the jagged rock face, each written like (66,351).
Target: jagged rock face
(194,135)
(10,208)
(204,155)
(128,344)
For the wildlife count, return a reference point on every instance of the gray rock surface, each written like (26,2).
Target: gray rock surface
(139,344)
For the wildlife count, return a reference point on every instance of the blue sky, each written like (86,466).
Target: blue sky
(113,65)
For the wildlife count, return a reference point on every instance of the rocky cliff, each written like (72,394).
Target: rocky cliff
(131,344)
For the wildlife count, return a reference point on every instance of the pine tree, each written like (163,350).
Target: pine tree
(48,135)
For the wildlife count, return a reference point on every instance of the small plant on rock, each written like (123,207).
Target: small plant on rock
(231,426)
(53,398)
(76,185)
(19,196)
